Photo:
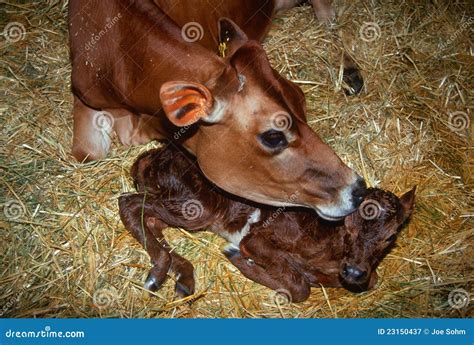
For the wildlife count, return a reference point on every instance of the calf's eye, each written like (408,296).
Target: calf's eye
(273,139)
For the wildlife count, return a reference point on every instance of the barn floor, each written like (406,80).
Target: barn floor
(64,252)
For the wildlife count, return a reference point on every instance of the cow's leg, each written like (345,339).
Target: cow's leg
(133,129)
(137,216)
(91,134)
(276,274)
(351,75)
(324,10)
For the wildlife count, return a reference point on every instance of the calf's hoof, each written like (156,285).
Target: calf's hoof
(184,289)
(155,279)
(354,80)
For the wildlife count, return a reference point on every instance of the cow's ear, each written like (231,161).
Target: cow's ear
(231,37)
(185,103)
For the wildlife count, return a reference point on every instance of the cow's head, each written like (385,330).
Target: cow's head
(251,138)
(370,233)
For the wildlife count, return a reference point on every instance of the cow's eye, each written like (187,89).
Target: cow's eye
(391,238)
(273,139)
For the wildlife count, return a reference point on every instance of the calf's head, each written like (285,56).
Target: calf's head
(370,233)
(250,136)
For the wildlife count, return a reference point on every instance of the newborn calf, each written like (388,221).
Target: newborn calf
(281,249)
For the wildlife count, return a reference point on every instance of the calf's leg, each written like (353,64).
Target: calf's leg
(276,276)
(184,270)
(138,218)
(269,265)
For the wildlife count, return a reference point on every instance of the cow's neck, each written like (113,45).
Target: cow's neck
(165,55)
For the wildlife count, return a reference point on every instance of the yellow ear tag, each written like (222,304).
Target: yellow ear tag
(223,45)
(222,49)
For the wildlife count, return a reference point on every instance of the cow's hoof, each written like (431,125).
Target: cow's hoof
(354,80)
(155,279)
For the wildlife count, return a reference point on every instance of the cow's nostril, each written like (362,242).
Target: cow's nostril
(359,192)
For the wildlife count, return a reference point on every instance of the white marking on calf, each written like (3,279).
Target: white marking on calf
(235,237)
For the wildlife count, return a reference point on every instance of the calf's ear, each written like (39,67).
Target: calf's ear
(185,103)
(407,201)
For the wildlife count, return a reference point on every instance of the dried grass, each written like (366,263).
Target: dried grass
(68,244)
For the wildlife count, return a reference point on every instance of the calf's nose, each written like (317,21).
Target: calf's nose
(353,273)
(359,192)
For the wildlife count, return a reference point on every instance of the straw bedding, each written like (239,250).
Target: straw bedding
(64,252)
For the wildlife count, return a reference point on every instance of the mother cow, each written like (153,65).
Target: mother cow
(135,68)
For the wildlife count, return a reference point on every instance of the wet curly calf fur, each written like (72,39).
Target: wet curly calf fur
(288,250)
